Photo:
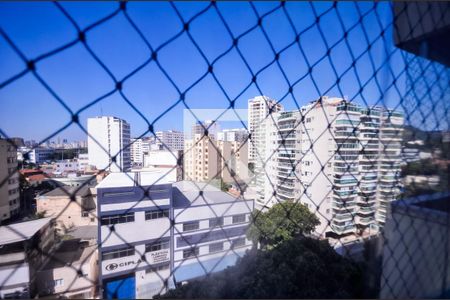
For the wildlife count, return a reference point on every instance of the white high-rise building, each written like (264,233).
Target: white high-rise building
(340,159)
(136,152)
(170,140)
(259,110)
(283,154)
(109,137)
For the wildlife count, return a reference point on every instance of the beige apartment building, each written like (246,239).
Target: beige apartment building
(69,213)
(9,181)
(233,163)
(72,270)
(206,159)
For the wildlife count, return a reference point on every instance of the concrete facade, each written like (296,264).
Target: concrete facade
(72,271)
(340,159)
(259,110)
(108,138)
(416,249)
(150,261)
(67,213)
(171,140)
(21,254)
(9,190)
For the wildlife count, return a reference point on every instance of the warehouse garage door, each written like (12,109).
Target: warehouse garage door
(123,288)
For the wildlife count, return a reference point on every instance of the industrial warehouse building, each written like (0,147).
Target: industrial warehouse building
(142,255)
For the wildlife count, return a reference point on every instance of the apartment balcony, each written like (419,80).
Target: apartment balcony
(286,194)
(345,216)
(348,181)
(346,134)
(286,184)
(343,229)
(345,194)
(369,176)
(366,201)
(366,210)
(346,171)
(373,158)
(348,110)
(388,179)
(368,137)
(346,158)
(365,221)
(347,208)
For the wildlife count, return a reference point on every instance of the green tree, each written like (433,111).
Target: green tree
(40,215)
(282,222)
(297,268)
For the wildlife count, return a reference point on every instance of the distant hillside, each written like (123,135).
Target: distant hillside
(430,138)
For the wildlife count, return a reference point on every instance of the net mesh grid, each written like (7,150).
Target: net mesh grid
(424,100)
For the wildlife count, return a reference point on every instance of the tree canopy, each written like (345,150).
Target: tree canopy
(297,268)
(280,223)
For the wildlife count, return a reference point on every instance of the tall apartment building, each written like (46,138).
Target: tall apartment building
(136,152)
(259,110)
(170,140)
(233,163)
(165,236)
(109,137)
(201,158)
(341,159)
(9,180)
(206,159)
(283,154)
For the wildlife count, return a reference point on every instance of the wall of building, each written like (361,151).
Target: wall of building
(415,258)
(109,137)
(9,191)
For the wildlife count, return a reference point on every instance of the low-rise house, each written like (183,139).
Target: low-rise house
(25,248)
(72,270)
(70,206)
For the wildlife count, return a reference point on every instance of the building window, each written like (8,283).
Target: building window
(85,214)
(158,268)
(216,222)
(239,219)
(191,252)
(238,243)
(58,282)
(156,214)
(216,247)
(118,253)
(117,219)
(189,226)
(158,245)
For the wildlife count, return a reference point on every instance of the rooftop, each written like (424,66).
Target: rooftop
(21,231)
(68,190)
(135,179)
(71,253)
(87,232)
(187,194)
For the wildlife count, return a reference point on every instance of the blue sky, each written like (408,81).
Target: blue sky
(30,111)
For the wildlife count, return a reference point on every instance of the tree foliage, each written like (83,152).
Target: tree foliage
(297,268)
(280,223)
